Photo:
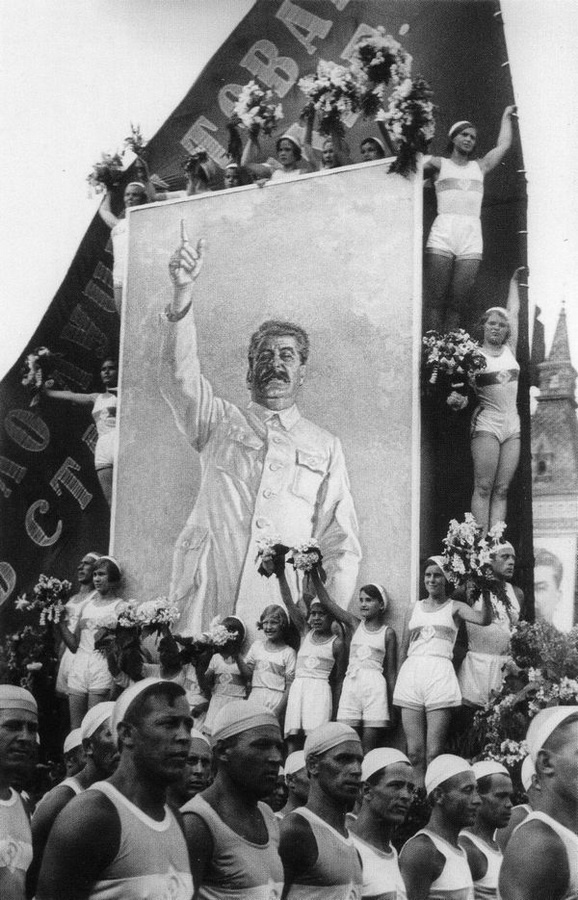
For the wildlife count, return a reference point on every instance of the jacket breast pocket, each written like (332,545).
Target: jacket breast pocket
(237,452)
(310,470)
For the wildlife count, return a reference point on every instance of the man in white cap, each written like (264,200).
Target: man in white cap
(481,671)
(319,857)
(119,838)
(101,756)
(541,859)
(297,781)
(73,753)
(519,812)
(232,836)
(18,730)
(432,862)
(388,786)
(479,841)
(198,770)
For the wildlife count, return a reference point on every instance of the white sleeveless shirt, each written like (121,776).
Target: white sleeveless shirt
(487,887)
(459,189)
(570,841)
(455,881)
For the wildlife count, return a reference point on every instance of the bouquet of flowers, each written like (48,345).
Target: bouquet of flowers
(332,92)
(36,371)
(256,110)
(135,141)
(450,362)
(106,173)
(118,639)
(543,672)
(378,59)
(215,640)
(26,654)
(270,554)
(467,552)
(155,616)
(306,556)
(50,596)
(410,121)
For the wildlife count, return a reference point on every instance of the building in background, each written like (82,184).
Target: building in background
(555,485)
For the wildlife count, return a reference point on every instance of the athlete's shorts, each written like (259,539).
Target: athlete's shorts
(104,451)
(427,682)
(503,427)
(456,236)
(364,700)
(89,673)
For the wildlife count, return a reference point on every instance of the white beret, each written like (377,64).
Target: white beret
(327,736)
(14,697)
(443,767)
(72,741)
(489,767)
(197,735)
(294,763)
(380,758)
(239,716)
(95,717)
(126,699)
(544,724)
(527,773)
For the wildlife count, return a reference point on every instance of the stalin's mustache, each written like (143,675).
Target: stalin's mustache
(270,374)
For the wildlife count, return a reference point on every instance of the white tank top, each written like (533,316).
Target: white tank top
(152,862)
(315,660)
(570,841)
(432,633)
(486,887)
(455,881)
(494,639)
(497,384)
(104,413)
(381,876)
(336,874)
(239,868)
(367,649)
(94,614)
(459,189)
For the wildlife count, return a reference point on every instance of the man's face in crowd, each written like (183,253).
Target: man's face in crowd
(277,372)
(338,772)
(104,751)
(198,768)
(503,563)
(496,807)
(298,784)
(254,759)
(547,594)
(18,729)
(84,570)
(162,739)
(391,797)
(460,798)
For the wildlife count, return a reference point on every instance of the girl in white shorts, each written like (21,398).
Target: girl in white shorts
(89,679)
(427,687)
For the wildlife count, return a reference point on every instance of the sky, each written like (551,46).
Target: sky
(74,75)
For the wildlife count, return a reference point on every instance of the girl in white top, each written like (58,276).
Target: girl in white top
(427,687)
(321,653)
(269,666)
(103,408)
(367,690)
(222,677)
(454,247)
(90,681)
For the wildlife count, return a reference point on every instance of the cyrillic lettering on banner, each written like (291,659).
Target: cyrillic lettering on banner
(27,430)
(278,72)
(81,330)
(35,531)
(303,24)
(199,134)
(11,470)
(7,581)
(66,477)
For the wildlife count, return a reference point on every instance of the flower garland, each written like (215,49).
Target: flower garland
(36,371)
(332,92)
(379,59)
(468,553)
(50,596)
(543,672)
(410,120)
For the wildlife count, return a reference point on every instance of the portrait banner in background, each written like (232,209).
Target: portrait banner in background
(51,507)
(337,253)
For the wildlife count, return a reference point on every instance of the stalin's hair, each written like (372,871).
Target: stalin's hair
(276,328)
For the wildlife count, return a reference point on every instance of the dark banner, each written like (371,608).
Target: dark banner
(52,507)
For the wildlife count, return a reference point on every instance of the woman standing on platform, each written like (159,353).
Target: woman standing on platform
(427,687)
(495,429)
(454,246)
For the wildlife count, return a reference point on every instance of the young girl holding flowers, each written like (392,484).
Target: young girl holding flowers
(366,695)
(269,666)
(222,677)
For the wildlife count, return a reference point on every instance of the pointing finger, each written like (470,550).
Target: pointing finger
(184,235)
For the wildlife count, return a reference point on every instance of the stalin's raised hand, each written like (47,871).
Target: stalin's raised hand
(184,268)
